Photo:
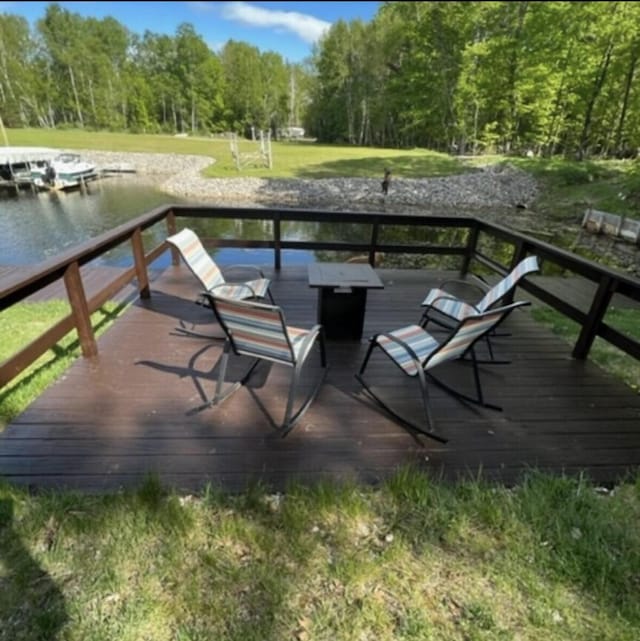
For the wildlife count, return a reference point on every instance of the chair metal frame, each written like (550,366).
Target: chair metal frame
(247,323)
(415,351)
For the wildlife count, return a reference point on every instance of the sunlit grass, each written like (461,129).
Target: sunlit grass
(290,159)
(22,323)
(414,559)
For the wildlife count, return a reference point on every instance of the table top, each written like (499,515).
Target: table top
(344,275)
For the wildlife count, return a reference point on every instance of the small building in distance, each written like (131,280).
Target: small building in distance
(292,133)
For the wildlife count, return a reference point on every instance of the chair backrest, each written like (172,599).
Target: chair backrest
(197,258)
(468,332)
(502,288)
(254,329)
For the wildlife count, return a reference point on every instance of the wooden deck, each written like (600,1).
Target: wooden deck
(108,423)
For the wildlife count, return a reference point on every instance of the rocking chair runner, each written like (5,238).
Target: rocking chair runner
(205,269)
(259,330)
(416,352)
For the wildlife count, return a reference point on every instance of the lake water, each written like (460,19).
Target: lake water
(36,227)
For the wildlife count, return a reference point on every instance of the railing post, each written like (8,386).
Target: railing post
(140,264)
(598,309)
(474,232)
(171,230)
(80,310)
(277,249)
(374,244)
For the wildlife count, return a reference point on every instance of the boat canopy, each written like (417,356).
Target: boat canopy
(12,155)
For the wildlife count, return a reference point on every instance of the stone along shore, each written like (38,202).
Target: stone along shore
(492,188)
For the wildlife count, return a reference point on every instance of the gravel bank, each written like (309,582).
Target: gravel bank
(491,187)
(500,194)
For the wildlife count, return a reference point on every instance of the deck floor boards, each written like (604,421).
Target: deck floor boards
(109,422)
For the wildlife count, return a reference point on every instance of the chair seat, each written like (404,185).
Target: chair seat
(443,302)
(419,340)
(260,286)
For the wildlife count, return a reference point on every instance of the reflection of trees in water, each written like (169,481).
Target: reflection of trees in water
(414,235)
(32,607)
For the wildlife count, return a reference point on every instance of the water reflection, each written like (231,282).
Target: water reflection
(35,227)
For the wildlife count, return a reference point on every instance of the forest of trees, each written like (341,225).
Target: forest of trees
(469,77)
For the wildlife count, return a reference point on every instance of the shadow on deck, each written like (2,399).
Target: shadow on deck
(109,422)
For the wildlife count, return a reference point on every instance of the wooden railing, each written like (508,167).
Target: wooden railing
(66,266)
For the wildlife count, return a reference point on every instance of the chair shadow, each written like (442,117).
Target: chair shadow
(235,371)
(32,606)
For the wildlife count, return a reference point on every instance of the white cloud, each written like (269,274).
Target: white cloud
(304,26)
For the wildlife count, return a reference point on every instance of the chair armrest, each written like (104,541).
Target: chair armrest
(473,290)
(309,340)
(453,299)
(253,268)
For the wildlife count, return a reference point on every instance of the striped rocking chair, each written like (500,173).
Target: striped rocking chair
(260,331)
(416,352)
(444,308)
(211,278)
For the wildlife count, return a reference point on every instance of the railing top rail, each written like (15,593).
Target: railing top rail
(43,273)
(563,258)
(293,214)
(38,276)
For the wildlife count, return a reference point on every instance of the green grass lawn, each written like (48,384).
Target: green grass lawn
(550,559)
(22,323)
(290,159)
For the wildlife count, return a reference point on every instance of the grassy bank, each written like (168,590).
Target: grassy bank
(568,187)
(22,323)
(415,559)
(290,159)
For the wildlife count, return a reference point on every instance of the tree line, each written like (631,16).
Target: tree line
(469,77)
(71,71)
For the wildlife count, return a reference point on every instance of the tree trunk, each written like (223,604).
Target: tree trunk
(631,71)
(75,95)
(597,89)
(93,103)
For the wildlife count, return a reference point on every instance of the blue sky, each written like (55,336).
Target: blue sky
(289,28)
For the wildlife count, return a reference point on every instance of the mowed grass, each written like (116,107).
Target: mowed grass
(552,559)
(290,159)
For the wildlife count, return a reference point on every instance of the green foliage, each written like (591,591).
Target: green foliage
(551,558)
(466,77)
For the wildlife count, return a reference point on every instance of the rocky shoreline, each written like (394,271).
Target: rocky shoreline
(496,193)
(489,188)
